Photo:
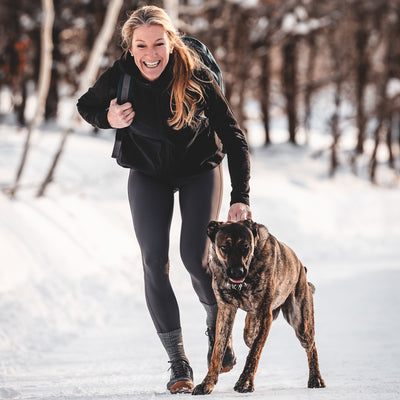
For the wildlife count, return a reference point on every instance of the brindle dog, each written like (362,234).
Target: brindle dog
(254,271)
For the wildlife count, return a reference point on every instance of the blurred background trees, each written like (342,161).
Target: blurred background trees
(280,55)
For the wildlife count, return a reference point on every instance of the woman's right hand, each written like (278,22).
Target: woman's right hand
(120,116)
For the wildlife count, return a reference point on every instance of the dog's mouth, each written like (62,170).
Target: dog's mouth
(237,280)
(236,274)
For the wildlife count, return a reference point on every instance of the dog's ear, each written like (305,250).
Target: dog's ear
(253,226)
(212,229)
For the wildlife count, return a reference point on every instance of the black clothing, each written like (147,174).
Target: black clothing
(152,203)
(151,146)
(181,380)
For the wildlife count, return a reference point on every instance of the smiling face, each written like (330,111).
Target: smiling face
(150,49)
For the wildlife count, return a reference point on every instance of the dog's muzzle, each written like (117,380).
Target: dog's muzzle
(237,274)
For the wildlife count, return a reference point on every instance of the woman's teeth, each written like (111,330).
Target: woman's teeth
(151,65)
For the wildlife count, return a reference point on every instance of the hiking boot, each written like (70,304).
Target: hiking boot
(229,359)
(181,377)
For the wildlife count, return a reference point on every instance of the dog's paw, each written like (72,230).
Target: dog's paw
(316,382)
(201,389)
(244,385)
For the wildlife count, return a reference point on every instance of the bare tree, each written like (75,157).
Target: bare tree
(87,78)
(43,85)
(383,105)
(309,86)
(361,83)
(265,84)
(336,55)
(289,82)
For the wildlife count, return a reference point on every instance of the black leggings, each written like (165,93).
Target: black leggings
(151,203)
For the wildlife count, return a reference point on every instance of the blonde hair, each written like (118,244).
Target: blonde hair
(186,93)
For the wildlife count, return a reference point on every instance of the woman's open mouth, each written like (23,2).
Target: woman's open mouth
(151,65)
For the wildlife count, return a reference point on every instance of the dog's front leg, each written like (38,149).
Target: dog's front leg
(246,380)
(223,330)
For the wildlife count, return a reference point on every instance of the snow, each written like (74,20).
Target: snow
(73,320)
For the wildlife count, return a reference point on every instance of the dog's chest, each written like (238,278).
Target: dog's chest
(245,296)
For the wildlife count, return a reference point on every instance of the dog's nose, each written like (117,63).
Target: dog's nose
(236,273)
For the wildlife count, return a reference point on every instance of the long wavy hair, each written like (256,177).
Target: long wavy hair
(186,93)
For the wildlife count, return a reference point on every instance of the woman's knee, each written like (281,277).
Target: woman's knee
(195,260)
(155,262)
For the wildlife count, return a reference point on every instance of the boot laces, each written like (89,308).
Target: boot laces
(179,368)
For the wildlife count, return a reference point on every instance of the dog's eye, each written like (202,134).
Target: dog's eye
(223,248)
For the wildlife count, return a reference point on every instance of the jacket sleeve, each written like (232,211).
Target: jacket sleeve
(93,105)
(234,141)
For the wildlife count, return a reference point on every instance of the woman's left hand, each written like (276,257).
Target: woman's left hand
(239,212)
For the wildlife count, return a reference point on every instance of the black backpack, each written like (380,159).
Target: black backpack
(206,58)
(205,55)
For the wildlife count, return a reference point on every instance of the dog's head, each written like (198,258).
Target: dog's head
(233,245)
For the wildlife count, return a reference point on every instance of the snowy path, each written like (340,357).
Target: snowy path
(73,322)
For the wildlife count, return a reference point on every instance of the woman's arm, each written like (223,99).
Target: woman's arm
(235,144)
(94,104)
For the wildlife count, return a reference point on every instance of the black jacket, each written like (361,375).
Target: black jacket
(151,146)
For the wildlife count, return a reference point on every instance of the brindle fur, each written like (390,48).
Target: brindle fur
(275,280)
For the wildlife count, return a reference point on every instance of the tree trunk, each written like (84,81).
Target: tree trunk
(336,55)
(383,112)
(242,64)
(265,81)
(361,83)
(87,79)
(373,160)
(389,141)
(309,79)
(335,123)
(51,110)
(289,86)
(43,85)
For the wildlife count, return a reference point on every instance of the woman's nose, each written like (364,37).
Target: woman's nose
(151,52)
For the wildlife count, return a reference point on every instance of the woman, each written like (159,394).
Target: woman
(175,129)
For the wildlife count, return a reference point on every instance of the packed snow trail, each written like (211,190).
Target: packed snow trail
(73,320)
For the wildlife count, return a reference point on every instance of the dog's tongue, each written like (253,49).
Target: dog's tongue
(235,281)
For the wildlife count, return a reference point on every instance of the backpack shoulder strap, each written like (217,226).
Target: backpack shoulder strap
(123,94)
(124,88)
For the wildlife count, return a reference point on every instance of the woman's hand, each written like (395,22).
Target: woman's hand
(239,212)
(120,116)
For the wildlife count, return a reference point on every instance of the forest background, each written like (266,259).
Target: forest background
(278,56)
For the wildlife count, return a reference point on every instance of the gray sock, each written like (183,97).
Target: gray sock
(212,311)
(173,344)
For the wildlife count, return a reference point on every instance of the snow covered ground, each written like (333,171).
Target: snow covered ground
(73,321)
